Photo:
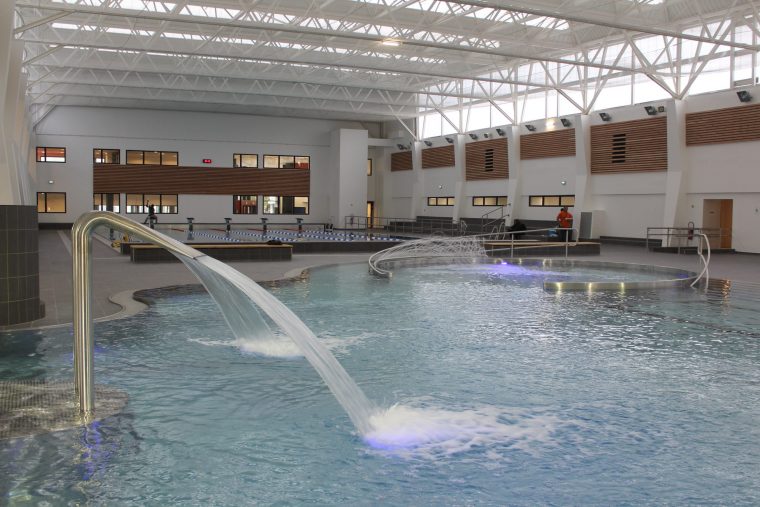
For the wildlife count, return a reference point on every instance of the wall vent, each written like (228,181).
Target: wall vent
(488,163)
(619,148)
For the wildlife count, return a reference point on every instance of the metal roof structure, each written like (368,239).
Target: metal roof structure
(373,60)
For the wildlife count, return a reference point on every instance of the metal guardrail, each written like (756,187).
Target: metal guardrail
(705,262)
(683,236)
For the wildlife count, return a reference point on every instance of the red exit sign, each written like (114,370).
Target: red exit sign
(207,160)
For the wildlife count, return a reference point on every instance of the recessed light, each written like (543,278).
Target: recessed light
(391,42)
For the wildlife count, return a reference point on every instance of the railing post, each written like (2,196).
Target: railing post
(84,347)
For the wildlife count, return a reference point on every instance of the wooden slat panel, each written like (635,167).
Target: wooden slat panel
(401,161)
(646,146)
(730,125)
(443,156)
(149,179)
(557,143)
(475,154)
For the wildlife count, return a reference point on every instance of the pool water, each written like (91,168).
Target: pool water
(496,393)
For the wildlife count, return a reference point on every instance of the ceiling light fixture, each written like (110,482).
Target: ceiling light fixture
(391,42)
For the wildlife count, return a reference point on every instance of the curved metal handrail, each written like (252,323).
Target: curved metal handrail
(81,243)
(706,262)
(378,257)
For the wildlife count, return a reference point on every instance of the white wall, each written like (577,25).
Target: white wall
(195,136)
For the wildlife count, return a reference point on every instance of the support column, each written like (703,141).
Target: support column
(514,188)
(583,219)
(675,198)
(418,187)
(460,164)
(349,158)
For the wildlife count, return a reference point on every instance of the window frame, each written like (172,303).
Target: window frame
(484,197)
(369,166)
(561,200)
(101,194)
(434,201)
(279,162)
(65,202)
(43,159)
(101,150)
(239,156)
(160,157)
(144,207)
(280,204)
(234,200)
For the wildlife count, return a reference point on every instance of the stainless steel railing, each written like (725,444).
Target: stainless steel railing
(681,237)
(81,242)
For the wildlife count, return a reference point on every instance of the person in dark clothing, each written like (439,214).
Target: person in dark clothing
(517,226)
(151,214)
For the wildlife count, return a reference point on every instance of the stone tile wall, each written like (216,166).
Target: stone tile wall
(19,266)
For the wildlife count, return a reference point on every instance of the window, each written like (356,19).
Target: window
(106,202)
(103,156)
(498,200)
(137,157)
(164,203)
(245,204)
(440,201)
(245,160)
(488,163)
(287,162)
(552,200)
(369,167)
(51,155)
(51,202)
(285,205)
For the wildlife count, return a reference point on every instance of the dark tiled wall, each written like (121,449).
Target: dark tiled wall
(19,266)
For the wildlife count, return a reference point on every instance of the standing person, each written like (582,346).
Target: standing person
(565,221)
(151,214)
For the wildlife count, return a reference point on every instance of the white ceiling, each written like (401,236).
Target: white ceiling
(328,59)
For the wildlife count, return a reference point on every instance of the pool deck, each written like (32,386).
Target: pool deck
(114,273)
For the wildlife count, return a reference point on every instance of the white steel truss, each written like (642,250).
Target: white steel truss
(448,61)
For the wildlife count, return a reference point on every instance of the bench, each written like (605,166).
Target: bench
(222,252)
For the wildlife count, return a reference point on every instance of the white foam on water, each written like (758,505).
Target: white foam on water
(433,432)
(280,346)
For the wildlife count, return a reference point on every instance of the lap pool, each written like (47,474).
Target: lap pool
(494,391)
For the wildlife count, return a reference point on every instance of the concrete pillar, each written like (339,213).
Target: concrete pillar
(514,184)
(460,186)
(418,187)
(675,199)
(348,153)
(8,186)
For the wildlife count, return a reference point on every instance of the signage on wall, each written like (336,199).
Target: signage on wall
(207,160)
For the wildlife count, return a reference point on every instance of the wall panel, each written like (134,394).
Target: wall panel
(147,179)
(630,146)
(443,156)
(482,154)
(729,125)
(557,143)
(401,161)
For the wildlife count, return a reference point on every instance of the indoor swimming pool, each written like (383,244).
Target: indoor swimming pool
(488,390)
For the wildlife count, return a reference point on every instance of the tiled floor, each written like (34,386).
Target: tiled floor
(114,273)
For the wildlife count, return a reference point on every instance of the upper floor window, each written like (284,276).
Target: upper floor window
(138,157)
(51,202)
(45,154)
(287,162)
(104,156)
(106,202)
(497,200)
(245,160)
(552,200)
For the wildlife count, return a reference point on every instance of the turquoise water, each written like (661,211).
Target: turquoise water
(498,393)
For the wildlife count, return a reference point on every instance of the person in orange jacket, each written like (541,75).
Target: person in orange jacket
(564,221)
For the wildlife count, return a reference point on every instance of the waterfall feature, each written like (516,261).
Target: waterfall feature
(238,298)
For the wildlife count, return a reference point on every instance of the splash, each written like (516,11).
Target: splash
(431,432)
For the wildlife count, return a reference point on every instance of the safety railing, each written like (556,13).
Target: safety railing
(682,238)
(487,221)
(418,225)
